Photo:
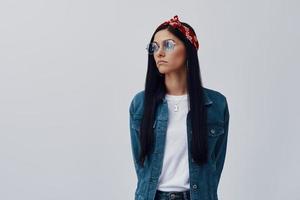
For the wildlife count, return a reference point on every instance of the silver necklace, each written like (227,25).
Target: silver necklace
(176,105)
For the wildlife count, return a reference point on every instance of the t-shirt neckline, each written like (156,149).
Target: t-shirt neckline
(176,97)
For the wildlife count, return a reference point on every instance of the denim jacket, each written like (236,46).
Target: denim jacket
(203,179)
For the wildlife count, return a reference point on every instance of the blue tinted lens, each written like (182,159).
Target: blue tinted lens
(169,45)
(152,47)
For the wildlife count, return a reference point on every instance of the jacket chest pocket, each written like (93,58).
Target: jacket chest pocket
(215,130)
(136,122)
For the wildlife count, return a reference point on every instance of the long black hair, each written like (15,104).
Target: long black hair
(155,90)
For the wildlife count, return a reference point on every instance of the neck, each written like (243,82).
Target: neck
(176,83)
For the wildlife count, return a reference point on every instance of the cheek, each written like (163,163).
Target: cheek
(177,58)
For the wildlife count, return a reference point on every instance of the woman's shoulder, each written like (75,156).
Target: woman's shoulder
(217,97)
(212,93)
(219,104)
(215,94)
(137,101)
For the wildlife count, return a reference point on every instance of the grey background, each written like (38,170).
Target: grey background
(69,69)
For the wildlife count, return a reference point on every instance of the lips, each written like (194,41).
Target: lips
(161,61)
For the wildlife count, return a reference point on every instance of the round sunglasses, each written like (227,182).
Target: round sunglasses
(168,45)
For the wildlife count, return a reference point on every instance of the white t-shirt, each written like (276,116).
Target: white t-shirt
(175,171)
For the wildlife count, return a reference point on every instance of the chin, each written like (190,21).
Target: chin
(166,71)
(162,71)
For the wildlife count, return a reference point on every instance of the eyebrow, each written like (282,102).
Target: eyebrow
(164,40)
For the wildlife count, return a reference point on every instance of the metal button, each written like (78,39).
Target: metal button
(194,186)
(212,131)
(172,196)
(193,160)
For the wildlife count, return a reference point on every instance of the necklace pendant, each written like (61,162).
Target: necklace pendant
(176,107)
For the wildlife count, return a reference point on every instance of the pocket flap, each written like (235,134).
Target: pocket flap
(136,123)
(215,130)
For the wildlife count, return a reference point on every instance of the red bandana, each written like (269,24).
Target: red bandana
(175,23)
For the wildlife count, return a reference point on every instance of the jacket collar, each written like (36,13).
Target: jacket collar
(207,100)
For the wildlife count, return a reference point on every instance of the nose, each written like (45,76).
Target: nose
(160,52)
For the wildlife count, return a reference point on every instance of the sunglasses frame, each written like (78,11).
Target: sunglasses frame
(164,46)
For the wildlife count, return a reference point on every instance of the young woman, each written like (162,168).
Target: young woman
(178,128)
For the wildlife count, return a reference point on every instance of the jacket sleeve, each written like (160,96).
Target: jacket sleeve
(221,145)
(134,139)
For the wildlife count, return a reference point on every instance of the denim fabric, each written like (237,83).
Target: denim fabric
(204,179)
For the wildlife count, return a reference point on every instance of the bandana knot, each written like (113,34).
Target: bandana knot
(175,23)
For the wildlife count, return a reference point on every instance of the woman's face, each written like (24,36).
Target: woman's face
(175,59)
